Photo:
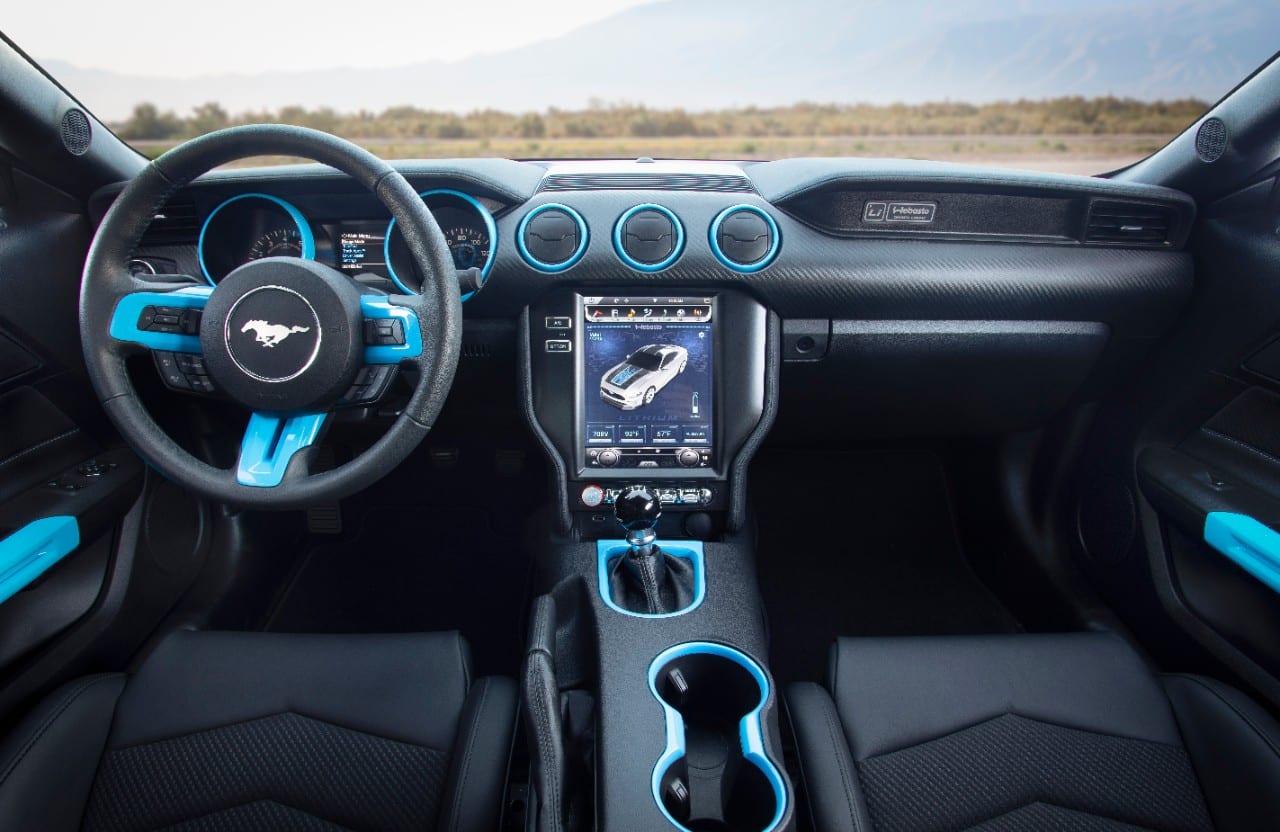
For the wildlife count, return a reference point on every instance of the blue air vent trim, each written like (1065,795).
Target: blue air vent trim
(608,551)
(676,251)
(552,268)
(749,267)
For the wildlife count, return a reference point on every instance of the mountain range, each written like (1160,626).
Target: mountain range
(710,54)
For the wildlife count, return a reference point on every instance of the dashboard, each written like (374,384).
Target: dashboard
(662,315)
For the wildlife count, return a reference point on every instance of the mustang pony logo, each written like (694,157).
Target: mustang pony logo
(268,335)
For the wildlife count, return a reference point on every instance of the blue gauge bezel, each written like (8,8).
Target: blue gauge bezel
(305,233)
(490,227)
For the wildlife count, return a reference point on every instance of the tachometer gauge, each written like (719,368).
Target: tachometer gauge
(279,242)
(470,246)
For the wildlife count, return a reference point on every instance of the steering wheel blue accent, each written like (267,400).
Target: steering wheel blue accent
(124,320)
(750,267)
(550,268)
(27,553)
(490,227)
(750,730)
(304,228)
(636,264)
(270,443)
(372,306)
(608,551)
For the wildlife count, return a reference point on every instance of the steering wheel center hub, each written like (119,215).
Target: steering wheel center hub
(273,334)
(283,334)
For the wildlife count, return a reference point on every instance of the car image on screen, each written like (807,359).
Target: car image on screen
(634,382)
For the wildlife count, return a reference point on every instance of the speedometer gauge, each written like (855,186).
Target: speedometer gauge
(470,246)
(279,242)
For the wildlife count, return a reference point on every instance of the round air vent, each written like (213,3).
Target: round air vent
(1211,140)
(552,237)
(76,132)
(648,238)
(745,238)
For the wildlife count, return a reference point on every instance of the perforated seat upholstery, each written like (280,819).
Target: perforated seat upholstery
(243,731)
(1028,732)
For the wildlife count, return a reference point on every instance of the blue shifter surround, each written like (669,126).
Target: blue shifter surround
(608,551)
(270,443)
(32,549)
(1254,546)
(750,729)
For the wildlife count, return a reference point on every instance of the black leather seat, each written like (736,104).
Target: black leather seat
(244,731)
(1028,732)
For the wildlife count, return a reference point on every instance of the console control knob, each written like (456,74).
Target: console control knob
(592,496)
(688,457)
(608,458)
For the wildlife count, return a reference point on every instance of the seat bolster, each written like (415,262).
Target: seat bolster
(826,767)
(47,763)
(1235,749)
(480,758)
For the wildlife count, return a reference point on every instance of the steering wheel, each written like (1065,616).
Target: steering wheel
(288,339)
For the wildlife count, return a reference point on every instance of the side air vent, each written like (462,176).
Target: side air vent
(720,183)
(175,223)
(1129,223)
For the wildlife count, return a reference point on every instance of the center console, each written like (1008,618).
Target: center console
(664,389)
(647,691)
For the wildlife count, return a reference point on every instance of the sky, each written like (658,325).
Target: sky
(129,36)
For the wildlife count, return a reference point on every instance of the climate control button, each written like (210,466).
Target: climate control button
(608,458)
(688,457)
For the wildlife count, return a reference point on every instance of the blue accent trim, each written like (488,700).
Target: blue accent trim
(648,267)
(373,306)
(583,237)
(1253,546)
(490,227)
(124,320)
(269,445)
(750,732)
(27,553)
(608,551)
(299,219)
(738,267)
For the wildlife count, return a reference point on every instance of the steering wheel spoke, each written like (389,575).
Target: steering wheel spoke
(275,445)
(150,317)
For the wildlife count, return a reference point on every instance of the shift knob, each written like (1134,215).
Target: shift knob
(637,510)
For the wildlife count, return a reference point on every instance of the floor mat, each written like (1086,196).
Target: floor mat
(860,544)
(438,561)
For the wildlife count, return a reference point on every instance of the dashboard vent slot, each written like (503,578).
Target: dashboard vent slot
(176,222)
(1129,223)
(720,183)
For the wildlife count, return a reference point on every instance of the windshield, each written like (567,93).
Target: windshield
(1078,86)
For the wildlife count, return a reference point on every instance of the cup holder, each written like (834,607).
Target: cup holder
(714,773)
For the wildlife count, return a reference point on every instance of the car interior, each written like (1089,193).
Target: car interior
(489,494)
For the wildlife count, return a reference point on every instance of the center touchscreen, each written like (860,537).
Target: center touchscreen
(647,371)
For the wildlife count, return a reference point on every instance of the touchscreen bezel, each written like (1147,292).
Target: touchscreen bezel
(583,387)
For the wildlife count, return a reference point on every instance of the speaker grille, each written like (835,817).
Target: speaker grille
(1211,140)
(76,132)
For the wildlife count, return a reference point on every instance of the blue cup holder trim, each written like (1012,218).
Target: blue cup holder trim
(608,551)
(750,731)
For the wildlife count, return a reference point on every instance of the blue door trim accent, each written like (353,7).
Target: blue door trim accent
(608,551)
(27,553)
(750,728)
(270,443)
(375,306)
(490,227)
(305,233)
(124,320)
(1254,546)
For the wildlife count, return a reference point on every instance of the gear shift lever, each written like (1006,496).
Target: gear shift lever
(646,579)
